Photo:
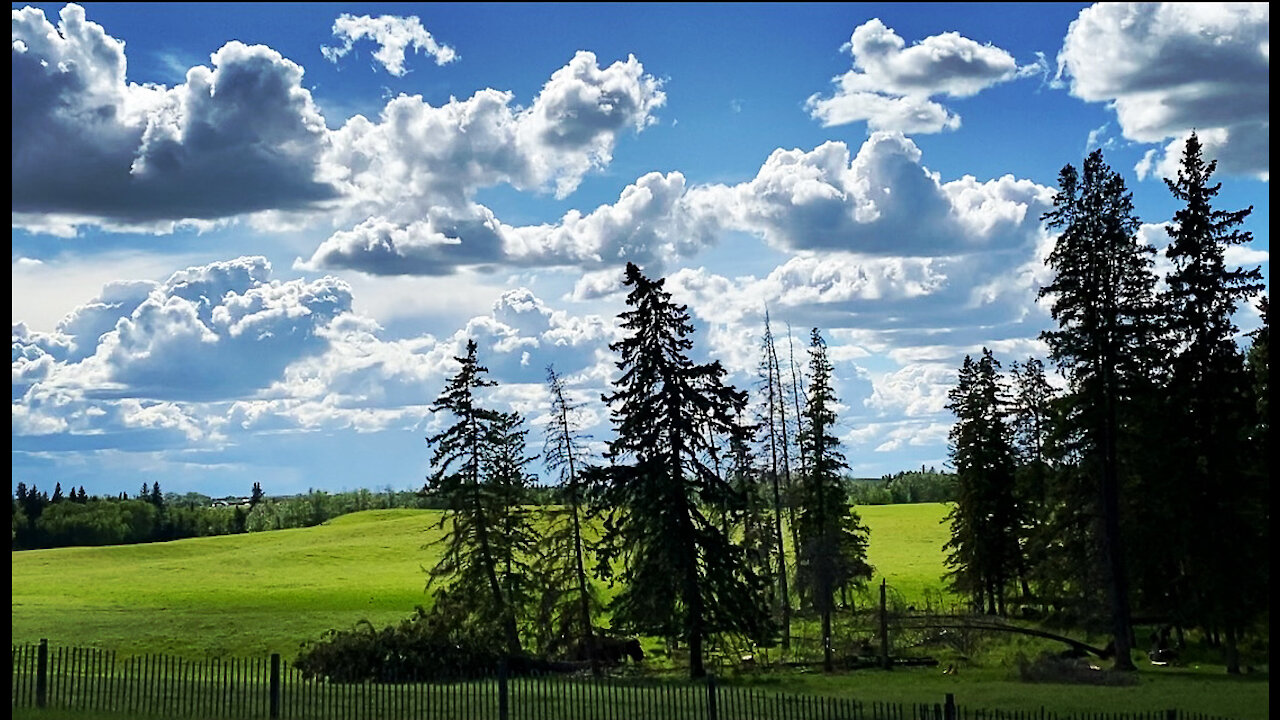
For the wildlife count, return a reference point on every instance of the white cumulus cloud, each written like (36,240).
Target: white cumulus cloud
(393,36)
(1170,68)
(891,86)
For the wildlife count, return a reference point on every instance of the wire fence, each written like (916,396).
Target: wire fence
(90,679)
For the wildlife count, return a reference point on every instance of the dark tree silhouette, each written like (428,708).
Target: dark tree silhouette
(985,555)
(256,496)
(1209,386)
(477,473)
(832,550)
(683,576)
(1102,297)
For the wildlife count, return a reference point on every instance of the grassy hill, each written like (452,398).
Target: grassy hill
(249,595)
(267,592)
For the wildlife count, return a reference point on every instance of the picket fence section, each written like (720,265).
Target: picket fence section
(269,689)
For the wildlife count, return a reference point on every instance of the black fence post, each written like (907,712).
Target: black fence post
(42,674)
(1171,714)
(502,690)
(712,713)
(884,627)
(949,709)
(275,685)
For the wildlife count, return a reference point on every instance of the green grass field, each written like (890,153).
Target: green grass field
(251,595)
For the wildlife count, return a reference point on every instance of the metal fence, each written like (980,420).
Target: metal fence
(269,688)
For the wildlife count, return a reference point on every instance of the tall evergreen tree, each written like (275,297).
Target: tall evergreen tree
(1030,417)
(256,495)
(475,471)
(1102,297)
(832,550)
(683,575)
(985,554)
(156,497)
(570,603)
(1209,386)
(774,426)
(57,493)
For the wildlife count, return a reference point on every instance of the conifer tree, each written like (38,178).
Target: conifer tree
(1102,298)
(1031,413)
(832,550)
(1210,388)
(985,555)
(774,426)
(255,497)
(569,601)
(476,473)
(57,493)
(683,576)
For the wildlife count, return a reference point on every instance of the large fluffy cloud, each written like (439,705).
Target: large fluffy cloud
(891,85)
(241,136)
(412,176)
(222,351)
(1169,68)
(882,201)
(393,36)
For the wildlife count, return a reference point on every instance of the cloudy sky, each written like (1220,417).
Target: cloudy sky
(248,240)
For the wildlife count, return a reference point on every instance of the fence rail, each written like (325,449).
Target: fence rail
(270,689)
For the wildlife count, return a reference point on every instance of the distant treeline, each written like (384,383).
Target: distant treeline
(44,521)
(41,520)
(911,486)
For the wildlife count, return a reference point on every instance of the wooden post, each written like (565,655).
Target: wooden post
(502,690)
(949,709)
(711,697)
(275,686)
(884,627)
(42,674)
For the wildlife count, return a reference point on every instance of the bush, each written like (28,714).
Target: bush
(437,645)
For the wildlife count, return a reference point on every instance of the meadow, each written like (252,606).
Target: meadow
(253,594)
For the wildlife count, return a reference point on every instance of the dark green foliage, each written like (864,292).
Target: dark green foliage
(986,521)
(832,549)
(256,496)
(683,576)
(436,645)
(156,497)
(97,522)
(1102,298)
(1211,498)
(479,473)
(907,486)
(57,494)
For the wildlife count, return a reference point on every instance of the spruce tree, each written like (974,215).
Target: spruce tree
(1209,386)
(683,576)
(832,550)
(1031,414)
(985,554)
(475,474)
(1102,298)
(57,493)
(255,496)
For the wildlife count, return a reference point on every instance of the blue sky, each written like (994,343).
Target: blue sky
(247,240)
